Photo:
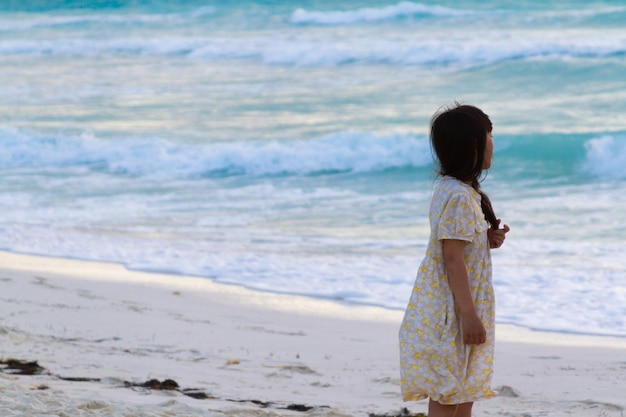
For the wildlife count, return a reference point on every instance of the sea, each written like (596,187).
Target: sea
(283,145)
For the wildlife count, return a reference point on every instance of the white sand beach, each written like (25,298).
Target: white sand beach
(100,332)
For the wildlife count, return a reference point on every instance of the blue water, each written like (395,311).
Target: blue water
(284,146)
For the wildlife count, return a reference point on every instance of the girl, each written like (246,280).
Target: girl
(447,334)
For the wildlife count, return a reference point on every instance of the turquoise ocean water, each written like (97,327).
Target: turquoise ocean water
(283,145)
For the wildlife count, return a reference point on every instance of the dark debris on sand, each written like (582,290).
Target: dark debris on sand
(404,412)
(266,404)
(165,385)
(170,385)
(21,367)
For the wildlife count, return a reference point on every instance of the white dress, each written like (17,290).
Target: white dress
(434,361)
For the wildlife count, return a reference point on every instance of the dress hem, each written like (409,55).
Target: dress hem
(448,400)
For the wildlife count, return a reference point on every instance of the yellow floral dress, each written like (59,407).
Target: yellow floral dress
(434,361)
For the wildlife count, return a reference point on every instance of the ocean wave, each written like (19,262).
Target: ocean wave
(335,49)
(412,10)
(404,10)
(44,21)
(372,14)
(348,151)
(26,22)
(602,14)
(606,157)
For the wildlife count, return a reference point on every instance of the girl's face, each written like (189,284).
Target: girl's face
(488,152)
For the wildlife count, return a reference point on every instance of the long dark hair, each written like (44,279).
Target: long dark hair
(458,135)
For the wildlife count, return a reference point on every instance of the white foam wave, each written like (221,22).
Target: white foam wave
(56,21)
(408,9)
(332,49)
(577,15)
(341,152)
(372,14)
(606,157)
(35,21)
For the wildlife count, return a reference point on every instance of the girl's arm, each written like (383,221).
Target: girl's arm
(474,332)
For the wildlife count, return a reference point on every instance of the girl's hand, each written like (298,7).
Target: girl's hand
(474,332)
(496,236)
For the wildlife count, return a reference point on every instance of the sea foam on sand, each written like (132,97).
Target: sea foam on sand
(101,332)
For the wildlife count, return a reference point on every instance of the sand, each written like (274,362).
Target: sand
(99,332)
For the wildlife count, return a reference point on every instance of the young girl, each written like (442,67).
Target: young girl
(447,335)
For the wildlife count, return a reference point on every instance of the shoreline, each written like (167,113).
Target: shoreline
(83,319)
(95,270)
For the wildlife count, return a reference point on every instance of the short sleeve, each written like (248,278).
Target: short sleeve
(458,219)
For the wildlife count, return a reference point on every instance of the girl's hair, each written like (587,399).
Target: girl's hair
(458,135)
